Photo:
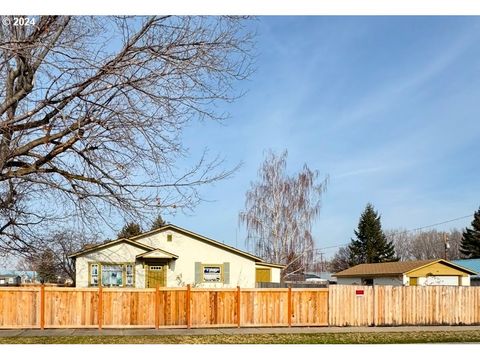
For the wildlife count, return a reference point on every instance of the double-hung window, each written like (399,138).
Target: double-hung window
(129,274)
(94,274)
(212,273)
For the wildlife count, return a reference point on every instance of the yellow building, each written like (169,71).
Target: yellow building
(408,273)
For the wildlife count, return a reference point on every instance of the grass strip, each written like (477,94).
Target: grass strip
(423,337)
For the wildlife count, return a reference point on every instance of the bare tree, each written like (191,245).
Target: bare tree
(50,256)
(424,245)
(92,111)
(279,213)
(340,261)
(401,239)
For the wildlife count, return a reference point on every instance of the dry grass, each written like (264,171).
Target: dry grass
(322,338)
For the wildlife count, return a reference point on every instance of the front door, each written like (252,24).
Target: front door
(156,275)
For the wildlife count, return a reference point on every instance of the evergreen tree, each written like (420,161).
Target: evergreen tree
(370,245)
(470,246)
(130,230)
(158,223)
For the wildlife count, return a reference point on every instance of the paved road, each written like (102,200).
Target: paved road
(227,331)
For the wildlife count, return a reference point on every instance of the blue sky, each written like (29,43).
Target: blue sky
(388,107)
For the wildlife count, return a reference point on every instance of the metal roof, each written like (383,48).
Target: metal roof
(472,264)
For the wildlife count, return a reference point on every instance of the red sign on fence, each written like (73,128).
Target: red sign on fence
(359,292)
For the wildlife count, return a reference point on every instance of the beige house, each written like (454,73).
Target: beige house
(170,256)
(409,273)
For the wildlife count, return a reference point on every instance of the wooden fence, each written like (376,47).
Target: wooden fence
(340,305)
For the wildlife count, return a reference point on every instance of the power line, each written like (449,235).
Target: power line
(440,223)
(404,231)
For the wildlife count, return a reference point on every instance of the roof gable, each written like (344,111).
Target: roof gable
(197,237)
(111,243)
(445,263)
(157,254)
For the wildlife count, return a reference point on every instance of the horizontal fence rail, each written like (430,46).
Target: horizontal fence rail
(339,305)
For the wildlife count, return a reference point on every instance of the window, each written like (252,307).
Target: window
(112,275)
(94,274)
(212,273)
(367,282)
(117,275)
(129,276)
(169,237)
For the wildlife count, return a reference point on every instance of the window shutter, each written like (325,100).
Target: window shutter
(226,273)
(198,273)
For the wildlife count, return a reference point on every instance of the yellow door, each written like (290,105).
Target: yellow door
(156,276)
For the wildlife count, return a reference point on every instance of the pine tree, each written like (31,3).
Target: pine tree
(470,246)
(158,223)
(129,230)
(370,245)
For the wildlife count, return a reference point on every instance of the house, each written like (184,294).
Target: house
(26,276)
(10,280)
(170,256)
(472,264)
(419,272)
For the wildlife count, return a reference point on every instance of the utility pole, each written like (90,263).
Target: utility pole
(447,245)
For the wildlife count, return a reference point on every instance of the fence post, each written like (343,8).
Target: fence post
(157,307)
(100,307)
(238,306)
(189,310)
(42,306)
(289,307)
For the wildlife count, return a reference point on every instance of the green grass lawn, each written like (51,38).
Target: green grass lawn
(323,338)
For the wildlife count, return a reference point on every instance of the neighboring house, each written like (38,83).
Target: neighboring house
(420,272)
(10,280)
(321,276)
(26,276)
(170,257)
(472,264)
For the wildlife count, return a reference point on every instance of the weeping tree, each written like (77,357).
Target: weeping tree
(92,111)
(279,212)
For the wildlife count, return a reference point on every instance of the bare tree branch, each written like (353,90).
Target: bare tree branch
(92,111)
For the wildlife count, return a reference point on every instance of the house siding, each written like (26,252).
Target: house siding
(118,253)
(388,281)
(190,250)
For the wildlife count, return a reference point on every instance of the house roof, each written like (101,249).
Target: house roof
(393,268)
(8,275)
(198,237)
(157,254)
(259,263)
(472,264)
(110,243)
